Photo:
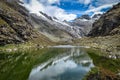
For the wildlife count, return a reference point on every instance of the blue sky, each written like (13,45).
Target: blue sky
(69,9)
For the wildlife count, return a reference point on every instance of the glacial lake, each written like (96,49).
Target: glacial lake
(53,63)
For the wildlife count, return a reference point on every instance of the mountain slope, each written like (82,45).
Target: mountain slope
(54,29)
(62,30)
(105,33)
(15,26)
(85,23)
(108,24)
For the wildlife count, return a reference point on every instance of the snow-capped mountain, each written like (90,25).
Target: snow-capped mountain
(53,28)
(58,30)
(84,23)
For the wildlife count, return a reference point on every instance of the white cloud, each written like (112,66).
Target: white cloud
(99,5)
(59,13)
(98,9)
(85,1)
(34,6)
(45,6)
(53,1)
(48,2)
(103,2)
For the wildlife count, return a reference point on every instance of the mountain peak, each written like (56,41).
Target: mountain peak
(85,16)
(97,15)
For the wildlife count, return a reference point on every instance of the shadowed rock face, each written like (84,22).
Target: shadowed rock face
(108,24)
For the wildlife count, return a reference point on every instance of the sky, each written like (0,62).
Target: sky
(68,9)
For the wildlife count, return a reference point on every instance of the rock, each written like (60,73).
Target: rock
(15,24)
(108,24)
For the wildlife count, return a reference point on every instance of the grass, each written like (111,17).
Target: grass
(17,47)
(18,65)
(93,71)
(102,61)
(104,69)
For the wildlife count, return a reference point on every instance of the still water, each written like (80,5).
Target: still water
(54,63)
(73,64)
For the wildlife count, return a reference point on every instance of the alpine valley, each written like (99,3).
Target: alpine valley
(43,47)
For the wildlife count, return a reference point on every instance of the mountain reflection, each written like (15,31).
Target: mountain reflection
(72,65)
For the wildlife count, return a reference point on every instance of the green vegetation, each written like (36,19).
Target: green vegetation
(104,62)
(93,71)
(17,47)
(17,65)
(105,68)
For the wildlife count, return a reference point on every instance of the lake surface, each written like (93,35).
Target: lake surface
(53,63)
(73,64)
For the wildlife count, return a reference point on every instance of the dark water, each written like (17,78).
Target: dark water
(56,63)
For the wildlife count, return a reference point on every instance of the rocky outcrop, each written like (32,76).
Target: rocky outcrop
(108,24)
(15,25)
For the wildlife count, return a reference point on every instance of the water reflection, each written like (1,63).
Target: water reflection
(72,65)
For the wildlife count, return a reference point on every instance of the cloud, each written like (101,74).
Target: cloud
(35,6)
(59,13)
(48,2)
(98,5)
(98,9)
(85,1)
(103,2)
(53,1)
(68,11)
